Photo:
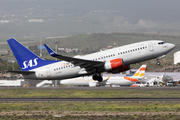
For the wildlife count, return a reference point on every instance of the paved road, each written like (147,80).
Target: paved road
(87,99)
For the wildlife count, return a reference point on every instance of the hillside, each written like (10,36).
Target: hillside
(96,41)
(101,40)
(89,43)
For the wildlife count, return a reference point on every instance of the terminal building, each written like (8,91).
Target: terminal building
(14,83)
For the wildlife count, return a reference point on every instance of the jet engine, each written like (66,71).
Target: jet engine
(113,64)
(122,69)
(125,68)
(116,66)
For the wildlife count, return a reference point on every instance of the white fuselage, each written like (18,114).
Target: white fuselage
(113,80)
(132,53)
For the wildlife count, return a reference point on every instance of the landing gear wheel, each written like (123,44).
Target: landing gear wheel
(95,77)
(158,63)
(98,78)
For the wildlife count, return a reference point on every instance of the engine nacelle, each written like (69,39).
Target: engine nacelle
(113,64)
(122,69)
(125,68)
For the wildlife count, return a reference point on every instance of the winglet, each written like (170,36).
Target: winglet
(51,52)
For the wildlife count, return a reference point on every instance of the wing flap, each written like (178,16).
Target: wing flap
(21,72)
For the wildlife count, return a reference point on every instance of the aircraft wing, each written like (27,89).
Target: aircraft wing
(21,72)
(76,61)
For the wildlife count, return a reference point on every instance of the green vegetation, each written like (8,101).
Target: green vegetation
(7,65)
(84,93)
(86,109)
(92,106)
(89,110)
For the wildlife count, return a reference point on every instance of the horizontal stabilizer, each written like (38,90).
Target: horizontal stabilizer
(21,72)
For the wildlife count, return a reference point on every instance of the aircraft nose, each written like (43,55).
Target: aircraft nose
(171,46)
(63,82)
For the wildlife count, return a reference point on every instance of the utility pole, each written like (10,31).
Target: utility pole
(56,46)
(56,59)
(40,48)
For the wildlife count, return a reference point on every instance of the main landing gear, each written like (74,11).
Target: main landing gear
(97,77)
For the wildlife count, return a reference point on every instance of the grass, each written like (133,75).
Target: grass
(89,110)
(88,93)
(91,106)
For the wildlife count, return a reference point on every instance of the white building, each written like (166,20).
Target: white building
(14,83)
(35,20)
(177,57)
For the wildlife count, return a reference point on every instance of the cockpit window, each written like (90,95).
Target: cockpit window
(161,43)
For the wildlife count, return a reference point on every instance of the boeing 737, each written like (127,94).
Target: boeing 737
(114,60)
(112,80)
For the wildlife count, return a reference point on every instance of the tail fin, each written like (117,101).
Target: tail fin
(140,72)
(27,60)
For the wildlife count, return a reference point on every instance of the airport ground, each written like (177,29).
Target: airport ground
(90,92)
(90,109)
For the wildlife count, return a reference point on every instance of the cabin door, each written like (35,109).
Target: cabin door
(150,47)
(48,73)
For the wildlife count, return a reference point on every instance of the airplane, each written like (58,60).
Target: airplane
(114,60)
(111,80)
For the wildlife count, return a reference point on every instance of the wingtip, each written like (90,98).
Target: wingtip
(51,52)
(10,39)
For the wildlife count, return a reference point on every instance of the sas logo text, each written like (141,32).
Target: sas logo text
(30,63)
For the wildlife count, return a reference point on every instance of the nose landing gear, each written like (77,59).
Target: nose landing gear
(158,62)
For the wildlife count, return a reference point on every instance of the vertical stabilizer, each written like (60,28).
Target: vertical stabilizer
(27,60)
(140,72)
